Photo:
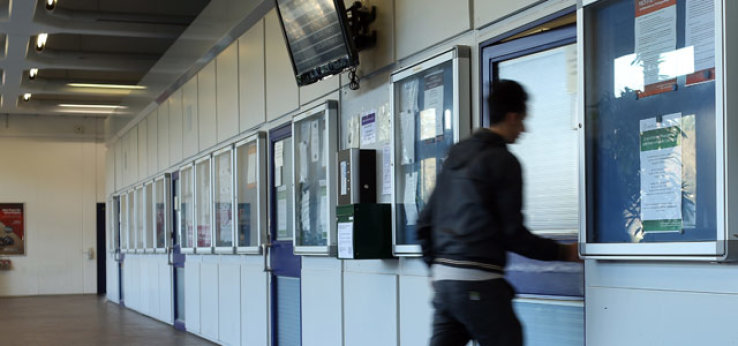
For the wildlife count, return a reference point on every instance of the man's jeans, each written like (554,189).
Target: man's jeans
(475,310)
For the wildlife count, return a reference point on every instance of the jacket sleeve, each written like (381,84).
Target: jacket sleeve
(508,204)
(424,229)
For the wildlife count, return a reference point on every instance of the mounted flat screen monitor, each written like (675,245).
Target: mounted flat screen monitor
(318,38)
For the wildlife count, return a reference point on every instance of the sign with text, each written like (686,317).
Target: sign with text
(12,229)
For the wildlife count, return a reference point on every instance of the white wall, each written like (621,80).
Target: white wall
(59,174)
(343,302)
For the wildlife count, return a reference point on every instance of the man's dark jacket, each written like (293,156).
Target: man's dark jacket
(474,214)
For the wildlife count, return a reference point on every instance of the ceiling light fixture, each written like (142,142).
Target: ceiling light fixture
(67,105)
(107,86)
(41,41)
(50,4)
(27,97)
(32,73)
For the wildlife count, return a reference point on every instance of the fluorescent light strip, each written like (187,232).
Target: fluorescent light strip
(83,111)
(92,106)
(106,86)
(41,40)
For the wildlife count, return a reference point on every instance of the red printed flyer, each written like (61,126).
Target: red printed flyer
(12,228)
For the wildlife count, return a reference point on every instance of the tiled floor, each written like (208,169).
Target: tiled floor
(82,320)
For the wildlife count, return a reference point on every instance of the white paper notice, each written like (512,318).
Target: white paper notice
(700,32)
(279,154)
(305,211)
(282,212)
(251,166)
(345,240)
(433,97)
(303,161)
(369,128)
(411,209)
(661,174)
(344,176)
(386,170)
(323,208)
(315,140)
(409,96)
(408,137)
(428,124)
(655,34)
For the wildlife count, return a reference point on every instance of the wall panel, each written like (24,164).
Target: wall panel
(254,302)
(227,92)
(190,132)
(175,127)
(206,106)
(209,298)
(143,149)
(321,291)
(192,294)
(152,128)
(282,95)
(251,77)
(163,137)
(439,20)
(229,300)
(370,309)
(489,11)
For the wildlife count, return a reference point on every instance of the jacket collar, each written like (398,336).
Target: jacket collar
(488,137)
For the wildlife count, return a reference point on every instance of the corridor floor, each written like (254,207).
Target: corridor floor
(78,320)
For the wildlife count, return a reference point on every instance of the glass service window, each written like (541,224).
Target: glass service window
(160,233)
(223,198)
(187,208)
(123,217)
(284,192)
(249,174)
(140,215)
(148,213)
(311,193)
(203,204)
(131,232)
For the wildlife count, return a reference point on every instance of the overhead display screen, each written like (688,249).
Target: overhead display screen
(316,38)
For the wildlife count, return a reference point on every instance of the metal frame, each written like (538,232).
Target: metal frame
(262,184)
(149,218)
(718,250)
(460,56)
(166,180)
(329,112)
(210,249)
(213,183)
(180,224)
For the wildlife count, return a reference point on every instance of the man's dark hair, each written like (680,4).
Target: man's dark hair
(506,96)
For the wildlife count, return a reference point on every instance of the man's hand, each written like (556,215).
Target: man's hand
(571,253)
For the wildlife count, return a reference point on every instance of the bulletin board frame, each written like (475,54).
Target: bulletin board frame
(459,57)
(328,112)
(718,246)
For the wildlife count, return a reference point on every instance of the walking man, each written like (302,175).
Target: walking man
(471,220)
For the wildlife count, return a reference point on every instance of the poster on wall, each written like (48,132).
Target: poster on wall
(12,229)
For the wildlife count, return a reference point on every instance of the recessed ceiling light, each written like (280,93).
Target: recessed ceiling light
(41,41)
(107,86)
(32,73)
(27,97)
(50,4)
(67,105)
